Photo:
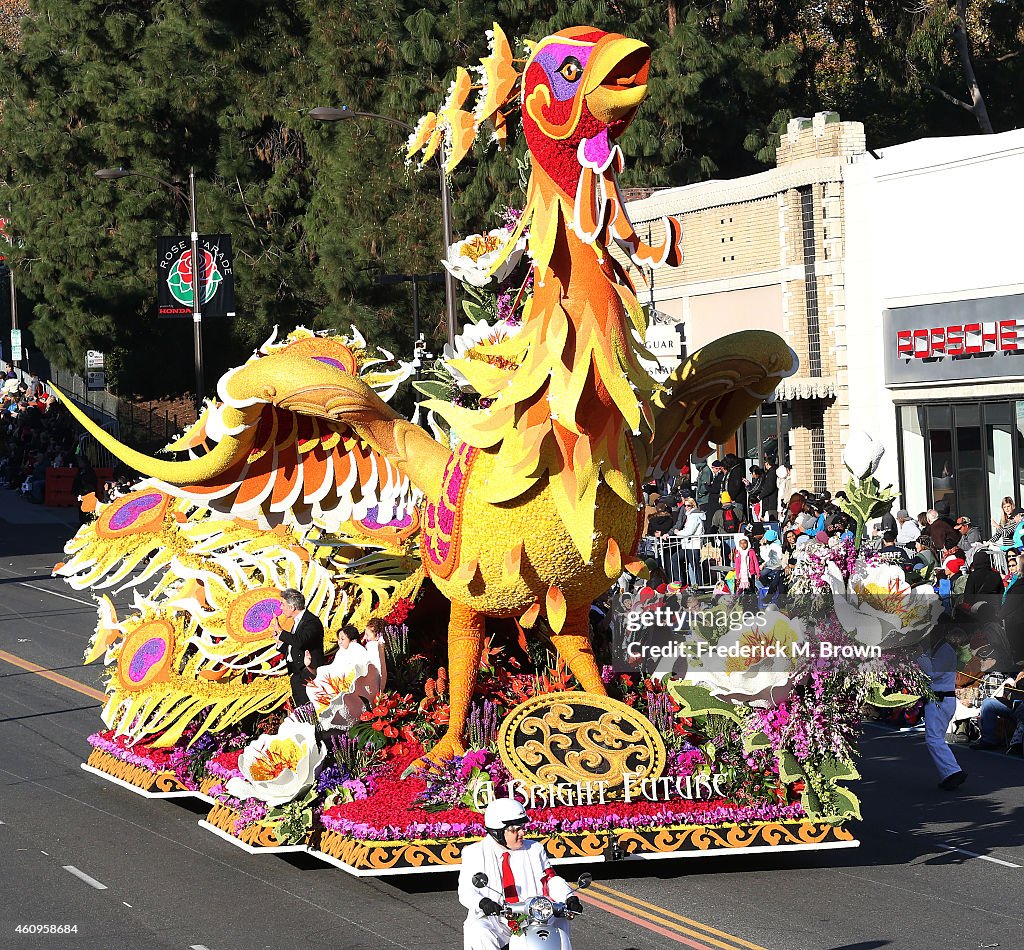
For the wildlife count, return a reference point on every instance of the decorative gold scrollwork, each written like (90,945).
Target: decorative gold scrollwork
(575,737)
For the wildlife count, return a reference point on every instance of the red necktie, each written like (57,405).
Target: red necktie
(508,882)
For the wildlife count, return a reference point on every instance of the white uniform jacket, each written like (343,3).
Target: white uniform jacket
(531,869)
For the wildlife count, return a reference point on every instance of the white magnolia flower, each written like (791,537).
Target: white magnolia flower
(761,676)
(862,454)
(347,686)
(470,260)
(278,768)
(472,342)
(879,608)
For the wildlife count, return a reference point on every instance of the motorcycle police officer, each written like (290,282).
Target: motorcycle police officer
(519,866)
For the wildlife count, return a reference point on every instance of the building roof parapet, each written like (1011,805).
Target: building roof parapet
(714,194)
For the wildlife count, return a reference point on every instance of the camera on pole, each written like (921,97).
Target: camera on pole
(420,352)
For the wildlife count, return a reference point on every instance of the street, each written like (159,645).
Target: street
(935,870)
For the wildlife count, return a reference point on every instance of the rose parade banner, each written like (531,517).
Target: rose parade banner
(174,276)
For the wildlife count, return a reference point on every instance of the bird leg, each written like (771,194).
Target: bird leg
(465,641)
(574,646)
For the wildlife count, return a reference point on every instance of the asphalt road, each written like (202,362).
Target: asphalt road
(935,871)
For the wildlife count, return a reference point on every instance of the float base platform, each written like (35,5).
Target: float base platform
(363,858)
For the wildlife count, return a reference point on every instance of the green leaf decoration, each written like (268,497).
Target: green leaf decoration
(822,798)
(811,801)
(293,820)
(695,701)
(882,700)
(758,740)
(476,312)
(790,770)
(866,499)
(433,390)
(834,770)
(845,805)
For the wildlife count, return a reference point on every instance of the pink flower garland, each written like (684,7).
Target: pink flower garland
(139,754)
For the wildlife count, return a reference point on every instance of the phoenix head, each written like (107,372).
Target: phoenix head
(581,89)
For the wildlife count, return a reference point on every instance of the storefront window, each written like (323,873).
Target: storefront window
(914,472)
(969,455)
(970,474)
(940,448)
(1019,436)
(999,461)
(774,423)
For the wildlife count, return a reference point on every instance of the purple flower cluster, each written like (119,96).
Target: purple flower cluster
(820,717)
(449,783)
(250,810)
(483,725)
(684,762)
(333,777)
(510,216)
(177,762)
(217,770)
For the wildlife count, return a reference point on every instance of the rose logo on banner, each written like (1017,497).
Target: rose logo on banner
(174,276)
(180,278)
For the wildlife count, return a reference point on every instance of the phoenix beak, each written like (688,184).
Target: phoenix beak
(617,80)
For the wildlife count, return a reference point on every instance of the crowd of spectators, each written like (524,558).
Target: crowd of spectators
(720,529)
(37,435)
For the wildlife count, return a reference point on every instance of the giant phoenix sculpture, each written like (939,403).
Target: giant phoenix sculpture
(534,507)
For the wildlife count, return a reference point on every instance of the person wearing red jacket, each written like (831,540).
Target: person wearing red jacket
(747,568)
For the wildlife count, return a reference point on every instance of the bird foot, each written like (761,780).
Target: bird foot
(449,746)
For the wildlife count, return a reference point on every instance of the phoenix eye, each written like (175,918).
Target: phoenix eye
(570,70)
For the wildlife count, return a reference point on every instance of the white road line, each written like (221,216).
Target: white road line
(198,946)
(82,876)
(983,857)
(53,593)
(126,904)
(949,847)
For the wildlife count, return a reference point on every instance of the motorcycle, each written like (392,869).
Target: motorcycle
(534,916)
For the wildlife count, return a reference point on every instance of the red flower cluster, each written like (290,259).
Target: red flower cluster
(392,718)
(399,611)
(159,757)
(229,760)
(393,802)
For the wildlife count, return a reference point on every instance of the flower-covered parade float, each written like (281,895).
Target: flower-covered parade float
(478,543)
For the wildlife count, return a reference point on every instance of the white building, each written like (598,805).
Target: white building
(934,317)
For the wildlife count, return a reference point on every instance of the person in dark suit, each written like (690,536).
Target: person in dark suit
(303,645)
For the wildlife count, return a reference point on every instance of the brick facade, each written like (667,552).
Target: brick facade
(776,236)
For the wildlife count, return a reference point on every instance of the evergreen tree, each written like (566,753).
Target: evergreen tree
(319,212)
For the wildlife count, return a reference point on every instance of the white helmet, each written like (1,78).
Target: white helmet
(501,814)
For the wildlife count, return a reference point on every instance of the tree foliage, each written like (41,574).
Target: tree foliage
(318,212)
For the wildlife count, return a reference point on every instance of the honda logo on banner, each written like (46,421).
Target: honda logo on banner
(174,276)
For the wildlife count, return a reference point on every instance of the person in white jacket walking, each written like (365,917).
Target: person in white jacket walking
(515,867)
(690,527)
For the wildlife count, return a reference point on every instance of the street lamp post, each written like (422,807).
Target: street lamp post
(328,114)
(114,174)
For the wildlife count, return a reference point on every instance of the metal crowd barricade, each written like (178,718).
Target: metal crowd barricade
(698,561)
